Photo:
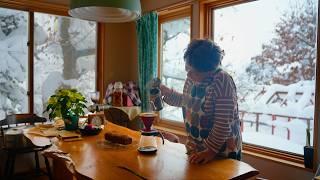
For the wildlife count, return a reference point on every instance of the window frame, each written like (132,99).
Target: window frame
(166,15)
(206,31)
(59,10)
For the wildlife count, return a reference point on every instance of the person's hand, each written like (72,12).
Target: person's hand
(165,91)
(202,157)
(155,82)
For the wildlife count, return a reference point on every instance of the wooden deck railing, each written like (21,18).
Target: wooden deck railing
(273,117)
(166,77)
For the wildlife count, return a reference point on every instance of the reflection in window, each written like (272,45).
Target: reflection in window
(13,61)
(64,56)
(272,57)
(175,36)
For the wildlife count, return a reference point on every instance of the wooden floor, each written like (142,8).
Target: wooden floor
(33,178)
(29,176)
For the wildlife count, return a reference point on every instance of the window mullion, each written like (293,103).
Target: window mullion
(100,59)
(30,60)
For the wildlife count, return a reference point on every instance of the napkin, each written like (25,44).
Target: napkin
(56,154)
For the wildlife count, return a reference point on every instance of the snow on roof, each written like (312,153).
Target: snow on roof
(296,100)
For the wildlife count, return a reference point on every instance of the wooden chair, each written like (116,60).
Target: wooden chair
(117,116)
(63,164)
(170,136)
(19,144)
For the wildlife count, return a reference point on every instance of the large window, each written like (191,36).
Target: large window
(175,36)
(64,56)
(13,61)
(270,50)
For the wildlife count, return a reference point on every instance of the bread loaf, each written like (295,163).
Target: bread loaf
(118,138)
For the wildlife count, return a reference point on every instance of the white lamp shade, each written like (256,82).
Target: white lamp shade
(112,11)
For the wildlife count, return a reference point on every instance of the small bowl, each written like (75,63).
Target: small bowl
(90,132)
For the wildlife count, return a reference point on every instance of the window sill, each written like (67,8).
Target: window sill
(250,150)
(171,130)
(277,160)
(171,126)
(288,159)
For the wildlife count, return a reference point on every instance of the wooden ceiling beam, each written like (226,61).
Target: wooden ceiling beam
(36,6)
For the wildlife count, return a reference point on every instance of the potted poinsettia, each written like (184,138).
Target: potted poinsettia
(67,104)
(308,151)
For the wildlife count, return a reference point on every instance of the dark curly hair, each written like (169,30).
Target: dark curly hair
(203,55)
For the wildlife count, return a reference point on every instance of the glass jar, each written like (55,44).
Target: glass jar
(148,142)
(117,95)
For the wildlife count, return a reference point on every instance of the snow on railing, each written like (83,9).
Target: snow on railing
(166,77)
(260,119)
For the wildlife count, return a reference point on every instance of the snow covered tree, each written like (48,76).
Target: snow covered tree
(74,41)
(66,47)
(13,61)
(290,56)
(64,54)
(71,54)
(175,38)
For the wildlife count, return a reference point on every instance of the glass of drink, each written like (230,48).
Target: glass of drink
(95,96)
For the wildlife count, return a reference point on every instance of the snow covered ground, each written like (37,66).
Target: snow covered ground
(271,141)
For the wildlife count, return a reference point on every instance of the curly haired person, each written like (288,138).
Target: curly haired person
(209,104)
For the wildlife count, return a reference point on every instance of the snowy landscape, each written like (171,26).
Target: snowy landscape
(271,57)
(64,56)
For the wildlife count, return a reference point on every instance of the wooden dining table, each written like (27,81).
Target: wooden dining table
(97,160)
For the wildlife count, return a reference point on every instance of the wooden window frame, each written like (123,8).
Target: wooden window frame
(175,12)
(206,31)
(32,7)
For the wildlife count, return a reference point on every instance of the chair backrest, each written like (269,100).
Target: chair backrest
(22,119)
(117,116)
(17,139)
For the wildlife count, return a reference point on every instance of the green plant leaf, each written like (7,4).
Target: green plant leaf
(66,102)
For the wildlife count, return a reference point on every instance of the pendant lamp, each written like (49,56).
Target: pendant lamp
(113,11)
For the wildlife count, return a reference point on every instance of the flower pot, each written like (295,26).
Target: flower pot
(308,156)
(71,123)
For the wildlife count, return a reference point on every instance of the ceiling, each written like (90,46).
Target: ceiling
(59,2)
(67,2)
(146,5)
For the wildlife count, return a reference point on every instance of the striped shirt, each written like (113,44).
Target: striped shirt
(210,112)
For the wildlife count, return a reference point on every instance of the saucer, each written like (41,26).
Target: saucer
(152,132)
(91,132)
(147,149)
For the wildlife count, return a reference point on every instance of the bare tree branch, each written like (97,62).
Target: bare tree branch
(85,52)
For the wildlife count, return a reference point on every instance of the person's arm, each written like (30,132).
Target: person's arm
(171,96)
(221,130)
